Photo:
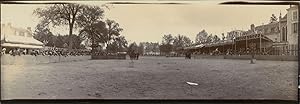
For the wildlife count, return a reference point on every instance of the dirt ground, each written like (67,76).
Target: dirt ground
(151,78)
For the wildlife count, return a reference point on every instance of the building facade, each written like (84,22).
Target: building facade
(13,38)
(292,25)
(270,30)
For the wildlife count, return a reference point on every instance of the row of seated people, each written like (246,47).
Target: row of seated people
(36,52)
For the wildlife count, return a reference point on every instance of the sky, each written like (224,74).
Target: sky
(149,22)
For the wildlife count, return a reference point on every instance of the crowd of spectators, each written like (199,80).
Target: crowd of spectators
(44,52)
(241,51)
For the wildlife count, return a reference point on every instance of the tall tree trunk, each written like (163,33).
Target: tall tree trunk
(93,44)
(70,36)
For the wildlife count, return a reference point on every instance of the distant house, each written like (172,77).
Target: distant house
(283,33)
(292,25)
(12,37)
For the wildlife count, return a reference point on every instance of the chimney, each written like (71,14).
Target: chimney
(252,27)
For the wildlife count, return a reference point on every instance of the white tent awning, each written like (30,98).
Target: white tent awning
(20,45)
(22,39)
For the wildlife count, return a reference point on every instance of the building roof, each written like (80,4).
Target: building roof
(20,45)
(267,25)
(21,40)
(227,42)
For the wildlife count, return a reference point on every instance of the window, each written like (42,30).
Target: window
(283,34)
(295,15)
(295,27)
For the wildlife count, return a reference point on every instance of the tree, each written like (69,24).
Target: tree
(112,47)
(114,30)
(178,42)
(223,37)
(209,39)
(201,37)
(181,41)
(273,18)
(166,48)
(77,40)
(93,26)
(133,48)
(90,15)
(94,32)
(216,38)
(61,14)
(168,39)
(42,34)
(122,43)
(148,47)
(155,47)
(119,44)
(141,48)
(187,41)
(60,41)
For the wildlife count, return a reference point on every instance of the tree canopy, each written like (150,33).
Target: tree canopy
(119,44)
(133,48)
(181,41)
(70,14)
(273,18)
(201,37)
(167,39)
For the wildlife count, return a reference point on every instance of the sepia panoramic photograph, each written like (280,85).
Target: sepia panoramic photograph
(148,50)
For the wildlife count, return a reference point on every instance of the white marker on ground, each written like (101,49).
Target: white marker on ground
(191,83)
